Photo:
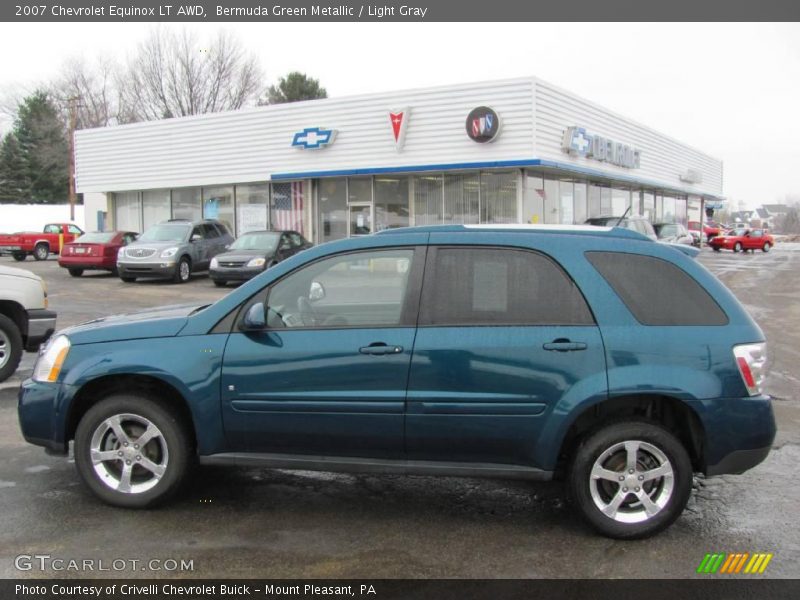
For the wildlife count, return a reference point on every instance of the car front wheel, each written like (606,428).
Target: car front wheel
(131,451)
(766,247)
(630,479)
(737,247)
(183,270)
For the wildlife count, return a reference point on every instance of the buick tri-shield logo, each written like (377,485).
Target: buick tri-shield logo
(483,124)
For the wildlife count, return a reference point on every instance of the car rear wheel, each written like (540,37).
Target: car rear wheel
(127,279)
(10,347)
(131,451)
(41,252)
(715,248)
(183,270)
(219,283)
(630,479)
(766,247)
(75,272)
(19,256)
(737,247)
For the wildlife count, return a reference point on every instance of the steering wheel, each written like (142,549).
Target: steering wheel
(307,314)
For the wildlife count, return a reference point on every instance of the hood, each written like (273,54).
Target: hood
(164,321)
(244,254)
(12,272)
(156,245)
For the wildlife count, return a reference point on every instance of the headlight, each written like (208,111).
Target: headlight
(48,365)
(214,263)
(169,252)
(120,253)
(256,262)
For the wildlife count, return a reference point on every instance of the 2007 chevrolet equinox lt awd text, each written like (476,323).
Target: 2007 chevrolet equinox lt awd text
(586,353)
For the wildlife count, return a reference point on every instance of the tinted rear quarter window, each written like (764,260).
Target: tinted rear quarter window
(656,291)
(499,286)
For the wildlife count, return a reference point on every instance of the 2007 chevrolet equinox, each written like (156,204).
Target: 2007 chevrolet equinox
(587,353)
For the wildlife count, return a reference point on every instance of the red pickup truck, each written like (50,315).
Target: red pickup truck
(41,245)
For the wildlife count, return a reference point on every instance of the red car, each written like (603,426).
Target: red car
(738,240)
(94,251)
(710,229)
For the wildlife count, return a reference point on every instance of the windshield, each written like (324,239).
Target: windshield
(96,237)
(166,233)
(266,241)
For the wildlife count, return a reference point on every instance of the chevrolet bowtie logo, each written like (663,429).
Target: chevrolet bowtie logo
(312,138)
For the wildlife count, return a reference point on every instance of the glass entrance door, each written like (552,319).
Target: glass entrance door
(360,219)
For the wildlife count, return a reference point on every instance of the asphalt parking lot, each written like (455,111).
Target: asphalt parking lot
(273,523)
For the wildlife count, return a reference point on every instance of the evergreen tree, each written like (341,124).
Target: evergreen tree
(15,185)
(294,87)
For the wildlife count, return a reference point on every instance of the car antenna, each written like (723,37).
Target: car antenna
(625,214)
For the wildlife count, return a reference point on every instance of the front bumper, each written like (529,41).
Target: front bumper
(165,268)
(739,433)
(234,273)
(39,417)
(41,325)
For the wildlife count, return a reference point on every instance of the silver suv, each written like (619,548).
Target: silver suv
(173,250)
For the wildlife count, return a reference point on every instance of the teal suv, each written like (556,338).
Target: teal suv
(589,354)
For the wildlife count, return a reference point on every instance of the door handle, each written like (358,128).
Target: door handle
(379,348)
(564,345)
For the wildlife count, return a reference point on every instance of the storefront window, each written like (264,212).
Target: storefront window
(126,211)
(332,209)
(428,199)
(218,204)
(186,204)
(680,210)
(499,197)
(599,200)
(155,207)
(533,199)
(669,210)
(462,198)
(580,202)
(252,206)
(288,209)
(391,202)
(551,201)
(566,206)
(359,189)
(620,201)
(649,206)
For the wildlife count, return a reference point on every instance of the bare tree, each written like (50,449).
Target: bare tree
(174,74)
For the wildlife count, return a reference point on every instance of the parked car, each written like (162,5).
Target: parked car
(95,251)
(25,321)
(173,249)
(743,240)
(494,350)
(673,233)
(633,222)
(710,229)
(254,252)
(40,244)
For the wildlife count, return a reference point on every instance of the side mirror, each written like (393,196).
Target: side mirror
(316,292)
(255,319)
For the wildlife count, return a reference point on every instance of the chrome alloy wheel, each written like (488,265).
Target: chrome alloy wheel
(631,481)
(184,270)
(129,453)
(5,349)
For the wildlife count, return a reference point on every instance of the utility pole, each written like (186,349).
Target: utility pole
(72,103)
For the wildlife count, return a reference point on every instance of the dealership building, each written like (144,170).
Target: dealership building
(512,151)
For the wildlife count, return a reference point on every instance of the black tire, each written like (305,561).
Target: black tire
(766,246)
(19,256)
(715,248)
(670,493)
(10,347)
(41,251)
(127,279)
(139,409)
(219,283)
(737,247)
(183,270)
(75,272)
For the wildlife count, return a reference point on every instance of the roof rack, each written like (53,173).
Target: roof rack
(585,230)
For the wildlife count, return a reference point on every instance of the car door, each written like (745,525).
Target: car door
(504,336)
(328,372)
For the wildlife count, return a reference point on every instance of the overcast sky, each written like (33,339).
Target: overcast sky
(731,90)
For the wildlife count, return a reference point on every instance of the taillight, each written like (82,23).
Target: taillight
(751,360)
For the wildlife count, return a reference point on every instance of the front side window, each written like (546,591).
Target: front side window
(499,286)
(364,289)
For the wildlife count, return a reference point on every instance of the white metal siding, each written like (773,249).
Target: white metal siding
(250,145)
(663,159)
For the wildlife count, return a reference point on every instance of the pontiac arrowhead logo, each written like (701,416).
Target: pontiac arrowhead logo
(399,122)
(312,138)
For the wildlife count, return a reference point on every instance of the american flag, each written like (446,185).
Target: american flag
(287,206)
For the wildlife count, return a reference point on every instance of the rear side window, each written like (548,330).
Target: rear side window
(656,291)
(499,286)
